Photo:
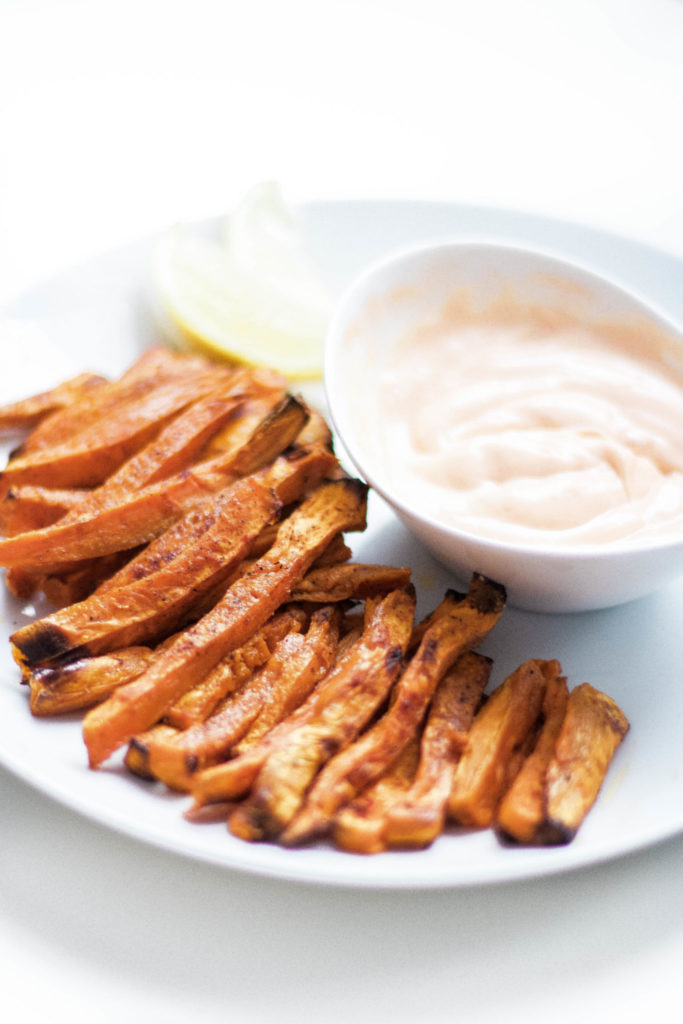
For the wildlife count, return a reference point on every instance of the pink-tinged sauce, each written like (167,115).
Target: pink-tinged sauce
(528,426)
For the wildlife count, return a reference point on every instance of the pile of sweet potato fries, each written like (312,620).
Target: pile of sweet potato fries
(187,522)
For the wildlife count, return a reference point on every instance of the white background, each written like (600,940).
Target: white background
(118,118)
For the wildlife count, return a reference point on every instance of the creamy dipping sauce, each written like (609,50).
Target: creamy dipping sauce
(524,425)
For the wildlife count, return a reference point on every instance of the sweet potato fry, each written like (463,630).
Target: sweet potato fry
(232,672)
(417,817)
(455,626)
(81,684)
(350,582)
(154,367)
(79,583)
(32,508)
(136,758)
(297,663)
(360,826)
(592,730)
(521,811)
(27,412)
(174,448)
(144,514)
(322,641)
(340,708)
(94,454)
(145,610)
(501,730)
(246,606)
(289,477)
(233,779)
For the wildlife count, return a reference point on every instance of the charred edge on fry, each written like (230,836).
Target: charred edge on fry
(485,595)
(45,642)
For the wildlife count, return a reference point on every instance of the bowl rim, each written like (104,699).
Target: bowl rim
(583,552)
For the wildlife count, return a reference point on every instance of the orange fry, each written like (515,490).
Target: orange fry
(455,626)
(89,458)
(85,682)
(144,514)
(246,606)
(360,826)
(27,412)
(591,732)
(417,818)
(145,610)
(232,672)
(521,811)
(340,708)
(297,663)
(496,744)
(351,581)
(231,780)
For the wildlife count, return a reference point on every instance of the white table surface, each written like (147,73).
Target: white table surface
(118,118)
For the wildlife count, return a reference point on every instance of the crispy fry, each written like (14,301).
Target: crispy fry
(32,508)
(500,731)
(144,514)
(95,453)
(416,819)
(350,582)
(136,758)
(177,445)
(81,684)
(521,811)
(292,474)
(297,663)
(455,626)
(591,732)
(21,584)
(154,367)
(343,704)
(197,704)
(146,610)
(246,606)
(233,779)
(26,413)
(360,826)
(79,583)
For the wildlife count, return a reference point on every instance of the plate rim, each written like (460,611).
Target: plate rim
(559,860)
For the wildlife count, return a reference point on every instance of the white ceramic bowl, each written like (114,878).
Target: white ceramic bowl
(412,286)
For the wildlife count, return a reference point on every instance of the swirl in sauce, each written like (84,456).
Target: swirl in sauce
(524,424)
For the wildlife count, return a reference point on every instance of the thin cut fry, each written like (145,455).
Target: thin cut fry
(136,758)
(417,818)
(350,582)
(233,779)
(246,606)
(341,707)
(289,477)
(144,514)
(500,732)
(521,811)
(145,610)
(591,732)
(94,454)
(27,412)
(33,508)
(232,672)
(455,626)
(360,826)
(297,663)
(81,684)
(154,367)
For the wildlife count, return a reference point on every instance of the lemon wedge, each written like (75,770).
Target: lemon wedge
(251,296)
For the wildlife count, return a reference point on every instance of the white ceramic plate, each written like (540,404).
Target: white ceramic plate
(97,316)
